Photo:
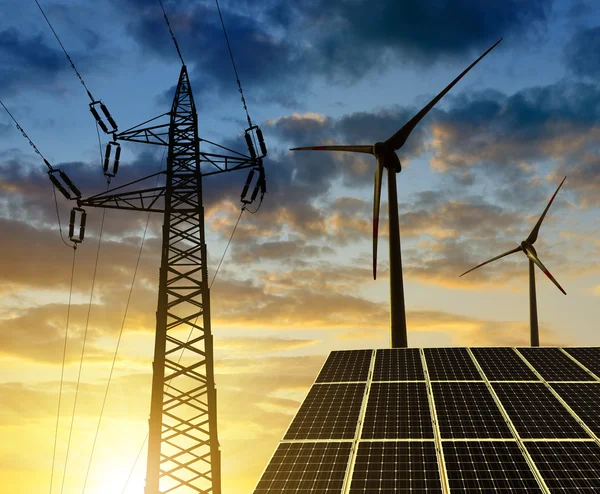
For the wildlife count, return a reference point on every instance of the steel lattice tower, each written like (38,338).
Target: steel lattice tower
(183,448)
(183,444)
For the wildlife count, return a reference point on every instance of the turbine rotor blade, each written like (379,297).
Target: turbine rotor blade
(353,149)
(399,138)
(516,249)
(376,203)
(535,259)
(534,233)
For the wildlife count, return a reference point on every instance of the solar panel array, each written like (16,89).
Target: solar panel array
(445,420)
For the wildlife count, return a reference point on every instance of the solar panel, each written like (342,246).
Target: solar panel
(397,411)
(398,364)
(584,399)
(567,466)
(503,364)
(306,467)
(445,420)
(393,467)
(348,366)
(450,364)
(536,413)
(330,411)
(490,466)
(554,365)
(467,409)
(588,356)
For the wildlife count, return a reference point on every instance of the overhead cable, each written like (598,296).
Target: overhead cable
(171,31)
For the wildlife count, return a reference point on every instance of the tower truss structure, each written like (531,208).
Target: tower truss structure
(183,447)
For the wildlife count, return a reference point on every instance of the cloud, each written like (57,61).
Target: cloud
(338,42)
(580,53)
(489,135)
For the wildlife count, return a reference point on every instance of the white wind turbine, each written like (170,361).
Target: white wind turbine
(385,153)
(528,249)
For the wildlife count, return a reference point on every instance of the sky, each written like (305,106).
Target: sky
(296,282)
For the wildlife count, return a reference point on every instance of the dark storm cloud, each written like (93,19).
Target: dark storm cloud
(279,46)
(508,137)
(21,55)
(581,53)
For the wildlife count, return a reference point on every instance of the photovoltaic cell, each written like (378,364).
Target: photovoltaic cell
(468,410)
(306,467)
(330,411)
(567,466)
(554,365)
(398,364)
(584,399)
(503,364)
(488,466)
(589,357)
(536,413)
(393,467)
(347,366)
(450,364)
(398,448)
(397,411)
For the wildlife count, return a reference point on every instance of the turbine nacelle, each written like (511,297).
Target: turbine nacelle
(386,156)
(385,152)
(528,249)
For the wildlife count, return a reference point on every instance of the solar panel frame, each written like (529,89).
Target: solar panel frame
(468,410)
(396,466)
(442,368)
(589,357)
(346,366)
(536,413)
(583,404)
(553,365)
(493,466)
(398,364)
(394,411)
(447,376)
(318,472)
(582,462)
(329,411)
(503,364)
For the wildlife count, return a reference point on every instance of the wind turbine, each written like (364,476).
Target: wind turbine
(528,249)
(385,153)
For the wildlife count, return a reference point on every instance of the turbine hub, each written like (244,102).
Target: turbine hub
(390,158)
(528,245)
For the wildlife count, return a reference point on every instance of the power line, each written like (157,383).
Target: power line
(171,31)
(119,341)
(27,137)
(83,348)
(66,54)
(62,372)
(233,63)
(112,368)
(227,247)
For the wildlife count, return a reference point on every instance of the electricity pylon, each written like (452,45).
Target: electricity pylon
(183,448)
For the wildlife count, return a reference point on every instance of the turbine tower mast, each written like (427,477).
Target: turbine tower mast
(385,153)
